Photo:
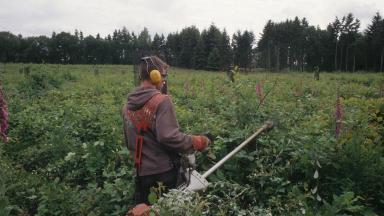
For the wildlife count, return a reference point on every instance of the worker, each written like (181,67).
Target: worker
(152,132)
(231,72)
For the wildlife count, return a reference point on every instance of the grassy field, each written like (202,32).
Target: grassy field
(65,155)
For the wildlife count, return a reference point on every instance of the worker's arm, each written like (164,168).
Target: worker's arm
(168,133)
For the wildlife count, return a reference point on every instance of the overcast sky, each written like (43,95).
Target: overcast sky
(41,17)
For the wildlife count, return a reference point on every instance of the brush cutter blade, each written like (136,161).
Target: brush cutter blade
(197,182)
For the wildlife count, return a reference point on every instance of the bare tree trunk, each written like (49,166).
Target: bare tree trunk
(382,59)
(341,58)
(269,56)
(277,51)
(346,58)
(336,56)
(288,59)
(366,62)
(354,62)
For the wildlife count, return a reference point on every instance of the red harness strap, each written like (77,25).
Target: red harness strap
(142,119)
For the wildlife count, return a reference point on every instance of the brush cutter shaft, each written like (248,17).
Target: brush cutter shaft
(266,126)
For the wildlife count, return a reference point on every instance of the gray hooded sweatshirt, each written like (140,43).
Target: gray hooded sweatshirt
(163,141)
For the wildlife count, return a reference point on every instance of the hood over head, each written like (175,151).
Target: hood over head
(140,96)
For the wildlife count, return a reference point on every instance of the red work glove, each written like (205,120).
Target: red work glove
(200,142)
(141,209)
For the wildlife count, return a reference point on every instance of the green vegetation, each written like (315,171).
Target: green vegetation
(66,155)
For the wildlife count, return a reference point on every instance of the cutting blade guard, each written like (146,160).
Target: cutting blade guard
(199,182)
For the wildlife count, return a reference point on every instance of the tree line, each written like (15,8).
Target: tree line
(289,45)
(296,45)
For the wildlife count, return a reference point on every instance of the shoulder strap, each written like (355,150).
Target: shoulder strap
(142,120)
(150,107)
(143,117)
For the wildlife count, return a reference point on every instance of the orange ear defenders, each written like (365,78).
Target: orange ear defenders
(154,75)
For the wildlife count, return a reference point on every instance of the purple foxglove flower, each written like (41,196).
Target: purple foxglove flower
(3,117)
(259,92)
(338,116)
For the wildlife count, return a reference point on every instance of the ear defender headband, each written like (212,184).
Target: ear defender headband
(154,75)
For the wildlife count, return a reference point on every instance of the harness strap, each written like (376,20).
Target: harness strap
(142,120)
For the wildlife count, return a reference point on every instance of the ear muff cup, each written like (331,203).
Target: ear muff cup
(155,77)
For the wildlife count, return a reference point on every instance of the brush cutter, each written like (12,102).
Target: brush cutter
(197,182)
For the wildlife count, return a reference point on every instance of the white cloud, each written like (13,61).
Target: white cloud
(36,17)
